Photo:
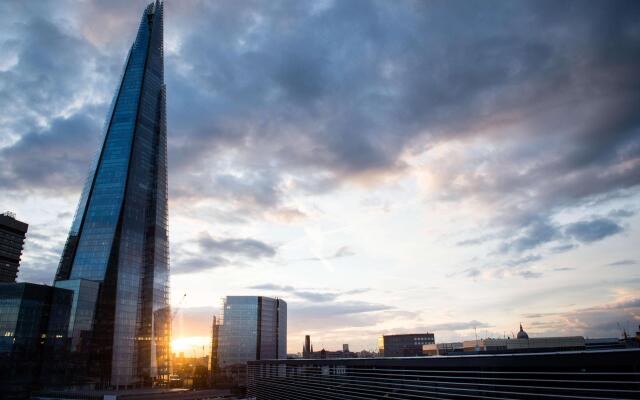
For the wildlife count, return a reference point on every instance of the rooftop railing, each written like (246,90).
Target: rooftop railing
(601,375)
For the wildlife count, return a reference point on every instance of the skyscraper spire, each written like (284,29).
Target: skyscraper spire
(119,233)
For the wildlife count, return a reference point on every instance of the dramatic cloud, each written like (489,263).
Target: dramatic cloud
(591,231)
(605,320)
(622,263)
(33,161)
(214,253)
(336,314)
(514,125)
(249,248)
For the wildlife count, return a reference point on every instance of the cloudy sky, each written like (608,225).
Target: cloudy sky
(383,166)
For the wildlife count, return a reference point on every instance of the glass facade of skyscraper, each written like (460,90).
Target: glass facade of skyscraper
(118,238)
(33,321)
(253,328)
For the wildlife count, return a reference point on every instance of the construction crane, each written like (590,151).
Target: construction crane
(168,352)
(175,312)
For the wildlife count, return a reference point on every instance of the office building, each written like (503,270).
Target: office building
(118,237)
(12,233)
(405,345)
(253,328)
(33,323)
(564,343)
(442,349)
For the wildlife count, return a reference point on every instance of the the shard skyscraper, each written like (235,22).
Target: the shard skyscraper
(116,256)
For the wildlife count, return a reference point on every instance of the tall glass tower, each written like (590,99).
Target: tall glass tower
(116,256)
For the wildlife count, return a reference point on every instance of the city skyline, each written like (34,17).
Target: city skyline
(422,167)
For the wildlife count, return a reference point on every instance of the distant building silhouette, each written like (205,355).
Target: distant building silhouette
(308,353)
(522,343)
(307,348)
(522,334)
(404,345)
(12,234)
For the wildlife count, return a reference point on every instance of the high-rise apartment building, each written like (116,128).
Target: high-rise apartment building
(253,328)
(118,238)
(12,233)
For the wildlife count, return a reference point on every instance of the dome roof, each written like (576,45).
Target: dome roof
(522,334)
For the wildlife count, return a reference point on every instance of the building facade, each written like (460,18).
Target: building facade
(405,345)
(253,328)
(442,349)
(553,375)
(118,237)
(33,323)
(12,234)
(561,343)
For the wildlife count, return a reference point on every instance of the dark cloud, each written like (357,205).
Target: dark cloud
(249,248)
(622,263)
(621,213)
(54,158)
(523,260)
(529,274)
(267,101)
(592,231)
(604,320)
(342,92)
(534,234)
(561,248)
(214,253)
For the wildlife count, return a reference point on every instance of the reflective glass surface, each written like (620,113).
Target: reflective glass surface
(239,331)
(119,234)
(253,328)
(30,316)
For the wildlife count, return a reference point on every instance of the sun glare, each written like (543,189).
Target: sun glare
(191,345)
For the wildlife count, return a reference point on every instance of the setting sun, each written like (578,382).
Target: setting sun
(191,346)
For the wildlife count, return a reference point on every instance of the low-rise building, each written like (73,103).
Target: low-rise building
(442,349)
(562,343)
